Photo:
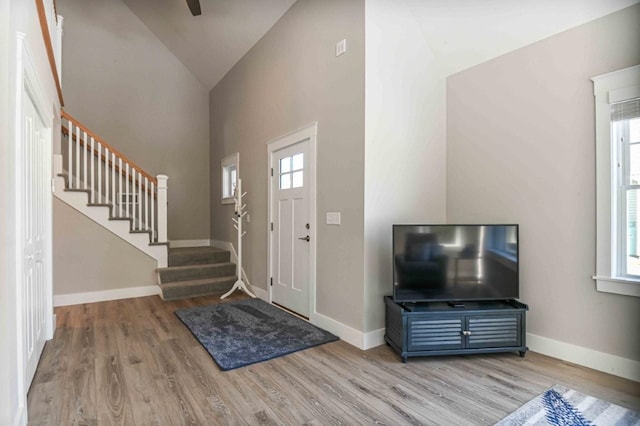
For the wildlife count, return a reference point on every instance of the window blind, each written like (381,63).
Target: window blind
(625,110)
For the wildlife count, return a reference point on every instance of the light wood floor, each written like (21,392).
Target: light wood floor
(132,362)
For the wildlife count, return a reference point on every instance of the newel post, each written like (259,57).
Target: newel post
(162,208)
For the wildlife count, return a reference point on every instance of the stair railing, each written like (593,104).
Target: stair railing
(112,180)
(51,27)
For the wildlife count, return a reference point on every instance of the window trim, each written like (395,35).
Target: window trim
(226,165)
(613,87)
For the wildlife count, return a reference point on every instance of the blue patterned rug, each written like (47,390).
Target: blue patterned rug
(248,331)
(563,406)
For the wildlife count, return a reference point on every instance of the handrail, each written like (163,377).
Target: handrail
(104,159)
(46,35)
(111,179)
(76,123)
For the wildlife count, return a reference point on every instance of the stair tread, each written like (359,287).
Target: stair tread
(201,281)
(186,267)
(206,249)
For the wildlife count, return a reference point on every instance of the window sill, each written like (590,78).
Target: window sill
(624,286)
(229,200)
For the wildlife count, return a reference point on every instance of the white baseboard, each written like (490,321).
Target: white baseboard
(260,293)
(612,364)
(189,243)
(349,334)
(105,295)
(373,338)
(54,326)
(343,331)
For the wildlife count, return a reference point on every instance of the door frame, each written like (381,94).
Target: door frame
(306,133)
(28,79)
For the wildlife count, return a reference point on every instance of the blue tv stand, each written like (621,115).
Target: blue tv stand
(438,328)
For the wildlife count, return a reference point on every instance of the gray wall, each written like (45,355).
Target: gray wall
(289,79)
(521,148)
(111,264)
(125,85)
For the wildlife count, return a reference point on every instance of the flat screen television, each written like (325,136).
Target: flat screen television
(455,263)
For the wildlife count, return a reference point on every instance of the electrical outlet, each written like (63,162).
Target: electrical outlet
(341,47)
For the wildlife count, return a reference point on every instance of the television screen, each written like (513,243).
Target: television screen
(455,262)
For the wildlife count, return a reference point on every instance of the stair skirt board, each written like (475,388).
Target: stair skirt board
(122,228)
(105,295)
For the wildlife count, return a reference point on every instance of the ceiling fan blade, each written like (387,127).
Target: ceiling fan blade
(194,7)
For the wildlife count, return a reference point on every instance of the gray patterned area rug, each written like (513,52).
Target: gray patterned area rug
(249,331)
(563,406)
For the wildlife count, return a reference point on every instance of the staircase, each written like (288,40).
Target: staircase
(116,193)
(196,271)
(100,182)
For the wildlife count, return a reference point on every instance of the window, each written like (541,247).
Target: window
(230,171)
(617,97)
(625,134)
(291,171)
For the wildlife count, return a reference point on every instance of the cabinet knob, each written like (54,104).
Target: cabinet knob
(466,333)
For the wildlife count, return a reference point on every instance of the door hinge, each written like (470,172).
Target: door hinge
(272,171)
(271,279)
(272,226)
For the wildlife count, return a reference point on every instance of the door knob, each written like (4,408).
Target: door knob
(305,238)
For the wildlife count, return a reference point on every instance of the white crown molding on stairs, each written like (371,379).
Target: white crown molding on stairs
(100,215)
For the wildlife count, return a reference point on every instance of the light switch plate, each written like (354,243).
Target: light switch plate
(341,47)
(333,218)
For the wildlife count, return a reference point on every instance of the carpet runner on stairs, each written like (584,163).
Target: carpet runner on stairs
(196,271)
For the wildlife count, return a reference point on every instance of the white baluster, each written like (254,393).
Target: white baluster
(146,203)
(139,201)
(120,186)
(107,176)
(126,182)
(77,158)
(92,176)
(162,208)
(113,184)
(153,212)
(86,148)
(70,155)
(100,172)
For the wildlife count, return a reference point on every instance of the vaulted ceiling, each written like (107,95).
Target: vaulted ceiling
(210,44)
(462,32)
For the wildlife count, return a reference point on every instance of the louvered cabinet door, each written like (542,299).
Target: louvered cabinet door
(434,333)
(493,331)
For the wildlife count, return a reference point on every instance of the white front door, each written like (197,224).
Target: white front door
(34,192)
(291,236)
